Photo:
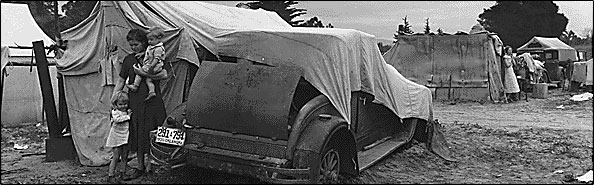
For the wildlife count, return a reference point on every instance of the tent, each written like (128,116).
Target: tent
(543,44)
(21,93)
(454,66)
(90,71)
(196,28)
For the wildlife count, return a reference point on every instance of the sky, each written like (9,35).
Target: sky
(381,18)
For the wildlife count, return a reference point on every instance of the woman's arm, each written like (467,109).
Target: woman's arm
(118,88)
(138,70)
(119,117)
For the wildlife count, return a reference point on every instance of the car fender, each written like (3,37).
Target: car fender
(316,136)
(305,116)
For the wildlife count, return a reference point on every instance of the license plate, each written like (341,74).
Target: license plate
(170,136)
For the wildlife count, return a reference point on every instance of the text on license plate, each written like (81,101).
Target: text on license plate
(170,136)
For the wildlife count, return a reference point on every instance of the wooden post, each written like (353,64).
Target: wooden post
(46,89)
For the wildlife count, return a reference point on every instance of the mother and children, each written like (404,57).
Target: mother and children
(139,110)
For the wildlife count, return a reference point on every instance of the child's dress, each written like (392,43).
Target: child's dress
(118,134)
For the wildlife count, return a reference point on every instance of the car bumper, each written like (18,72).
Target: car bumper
(265,168)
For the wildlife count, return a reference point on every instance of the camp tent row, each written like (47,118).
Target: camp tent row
(21,95)
(335,61)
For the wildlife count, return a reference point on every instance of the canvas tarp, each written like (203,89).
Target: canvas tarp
(336,61)
(543,43)
(451,61)
(583,72)
(90,70)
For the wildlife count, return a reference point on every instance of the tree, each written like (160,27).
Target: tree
(312,22)
(286,12)
(427,27)
(516,22)
(283,8)
(440,32)
(568,37)
(43,13)
(405,28)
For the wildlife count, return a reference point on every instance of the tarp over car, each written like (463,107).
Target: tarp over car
(335,61)
(536,43)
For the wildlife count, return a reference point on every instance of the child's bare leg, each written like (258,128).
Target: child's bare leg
(151,87)
(124,161)
(112,166)
(134,87)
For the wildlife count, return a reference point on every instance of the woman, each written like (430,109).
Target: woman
(511,86)
(146,115)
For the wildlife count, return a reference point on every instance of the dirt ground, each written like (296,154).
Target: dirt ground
(534,142)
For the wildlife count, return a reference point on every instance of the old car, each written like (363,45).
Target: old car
(299,105)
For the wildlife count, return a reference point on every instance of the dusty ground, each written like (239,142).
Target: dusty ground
(516,143)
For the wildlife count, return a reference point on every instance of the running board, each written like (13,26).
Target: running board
(367,158)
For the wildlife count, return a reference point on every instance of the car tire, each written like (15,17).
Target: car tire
(330,161)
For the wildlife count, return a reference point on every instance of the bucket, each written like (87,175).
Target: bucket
(540,90)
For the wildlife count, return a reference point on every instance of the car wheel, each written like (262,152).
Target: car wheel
(329,165)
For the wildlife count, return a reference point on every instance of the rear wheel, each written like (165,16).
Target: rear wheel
(329,165)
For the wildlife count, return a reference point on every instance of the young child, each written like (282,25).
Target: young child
(153,61)
(118,137)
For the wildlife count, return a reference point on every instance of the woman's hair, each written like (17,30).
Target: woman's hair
(137,35)
(121,96)
(156,32)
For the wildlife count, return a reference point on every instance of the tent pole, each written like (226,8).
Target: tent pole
(63,118)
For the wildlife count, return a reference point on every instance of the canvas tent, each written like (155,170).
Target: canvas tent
(21,94)
(543,44)
(90,71)
(348,60)
(454,66)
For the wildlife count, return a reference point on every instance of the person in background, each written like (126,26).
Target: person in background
(511,86)
(539,68)
(146,115)
(118,137)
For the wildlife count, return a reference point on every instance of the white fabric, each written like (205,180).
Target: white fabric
(4,57)
(582,97)
(546,43)
(336,61)
(497,44)
(579,72)
(510,82)
(118,134)
(529,61)
(587,177)
(564,51)
(589,80)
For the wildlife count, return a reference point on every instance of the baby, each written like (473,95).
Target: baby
(153,61)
